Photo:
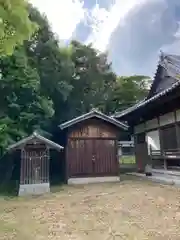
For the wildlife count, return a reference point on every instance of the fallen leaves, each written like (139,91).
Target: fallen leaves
(132,211)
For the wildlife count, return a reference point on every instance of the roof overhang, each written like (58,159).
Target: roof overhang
(35,136)
(145,103)
(94,114)
(171,63)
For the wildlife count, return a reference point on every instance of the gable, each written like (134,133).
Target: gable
(93,128)
(33,140)
(161,82)
(167,79)
(94,114)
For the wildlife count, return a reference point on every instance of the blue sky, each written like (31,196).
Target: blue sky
(132,31)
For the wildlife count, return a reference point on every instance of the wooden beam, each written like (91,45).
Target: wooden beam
(162,145)
(160,136)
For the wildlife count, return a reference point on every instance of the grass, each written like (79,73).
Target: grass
(132,209)
(127,160)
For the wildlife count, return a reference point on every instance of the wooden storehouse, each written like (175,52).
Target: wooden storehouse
(91,149)
(155,121)
(34,166)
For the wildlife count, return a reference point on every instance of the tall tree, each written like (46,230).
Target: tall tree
(43,84)
(127,92)
(15,25)
(23,107)
(91,82)
(53,63)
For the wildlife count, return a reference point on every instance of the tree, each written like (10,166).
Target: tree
(91,82)
(53,64)
(127,92)
(43,84)
(63,71)
(23,107)
(15,25)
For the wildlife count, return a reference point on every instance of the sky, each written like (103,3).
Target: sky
(132,32)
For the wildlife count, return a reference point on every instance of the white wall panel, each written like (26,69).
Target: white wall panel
(139,128)
(153,123)
(178,115)
(167,119)
(153,141)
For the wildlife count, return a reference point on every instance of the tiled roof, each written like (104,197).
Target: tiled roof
(35,136)
(171,63)
(91,114)
(145,102)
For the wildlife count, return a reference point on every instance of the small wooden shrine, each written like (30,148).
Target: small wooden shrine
(35,157)
(91,149)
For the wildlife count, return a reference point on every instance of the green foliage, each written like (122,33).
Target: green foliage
(43,84)
(92,81)
(128,91)
(20,97)
(53,64)
(15,25)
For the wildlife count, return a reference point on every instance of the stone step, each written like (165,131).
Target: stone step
(161,178)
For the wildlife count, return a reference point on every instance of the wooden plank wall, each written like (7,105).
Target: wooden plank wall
(92,150)
(93,129)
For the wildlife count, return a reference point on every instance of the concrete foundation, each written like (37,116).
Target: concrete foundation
(34,189)
(73,181)
(161,176)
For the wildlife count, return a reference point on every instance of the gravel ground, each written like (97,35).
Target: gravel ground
(132,209)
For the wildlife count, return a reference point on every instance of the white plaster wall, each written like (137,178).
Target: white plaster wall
(153,141)
(178,115)
(139,128)
(167,119)
(153,123)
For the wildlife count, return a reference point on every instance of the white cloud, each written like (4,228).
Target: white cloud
(63,15)
(103,29)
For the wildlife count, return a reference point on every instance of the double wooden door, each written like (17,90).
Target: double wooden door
(92,157)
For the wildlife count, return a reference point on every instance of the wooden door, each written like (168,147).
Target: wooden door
(92,157)
(105,157)
(79,158)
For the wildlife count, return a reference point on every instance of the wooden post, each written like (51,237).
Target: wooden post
(162,151)
(150,156)
(162,146)
(117,156)
(177,131)
(47,170)
(165,162)
(67,156)
(22,167)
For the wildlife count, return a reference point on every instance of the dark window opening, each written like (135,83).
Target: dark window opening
(168,136)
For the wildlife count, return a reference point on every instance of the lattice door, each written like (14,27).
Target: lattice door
(34,166)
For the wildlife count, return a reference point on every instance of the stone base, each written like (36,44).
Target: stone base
(159,178)
(34,189)
(72,181)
